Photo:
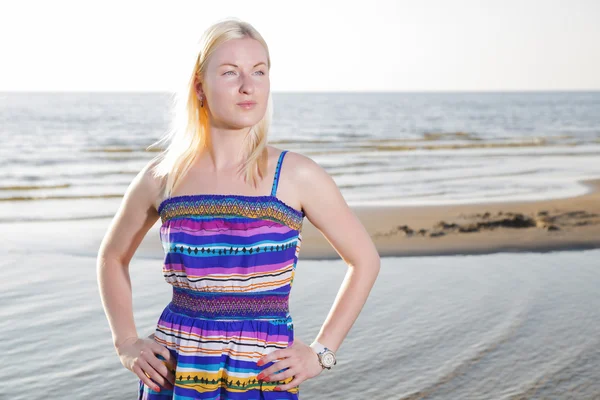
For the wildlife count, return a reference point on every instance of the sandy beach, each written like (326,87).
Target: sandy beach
(558,224)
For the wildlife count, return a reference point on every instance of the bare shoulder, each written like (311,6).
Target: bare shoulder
(296,172)
(299,166)
(327,210)
(296,166)
(153,184)
(147,187)
(304,167)
(136,214)
(314,188)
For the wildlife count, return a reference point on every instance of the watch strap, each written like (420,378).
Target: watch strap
(318,347)
(319,350)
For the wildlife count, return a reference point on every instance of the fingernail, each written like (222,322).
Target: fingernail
(157,389)
(277,389)
(260,363)
(260,376)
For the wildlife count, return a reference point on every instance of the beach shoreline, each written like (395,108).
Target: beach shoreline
(397,231)
(481,228)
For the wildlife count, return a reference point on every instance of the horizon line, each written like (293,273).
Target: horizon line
(317,91)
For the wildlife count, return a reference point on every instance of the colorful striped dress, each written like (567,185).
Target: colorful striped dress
(231,261)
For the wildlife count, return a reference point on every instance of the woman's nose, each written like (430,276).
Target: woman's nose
(248,89)
(247,84)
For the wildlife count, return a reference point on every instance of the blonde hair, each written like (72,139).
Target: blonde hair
(189,130)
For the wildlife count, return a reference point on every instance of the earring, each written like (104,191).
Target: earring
(201,101)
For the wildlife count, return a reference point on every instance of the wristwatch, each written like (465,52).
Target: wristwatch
(326,356)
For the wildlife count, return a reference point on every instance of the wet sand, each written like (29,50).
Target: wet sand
(560,224)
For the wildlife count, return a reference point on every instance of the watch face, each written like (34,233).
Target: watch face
(328,359)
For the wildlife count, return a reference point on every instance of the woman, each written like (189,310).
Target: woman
(231,247)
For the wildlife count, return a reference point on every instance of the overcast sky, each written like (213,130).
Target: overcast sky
(424,45)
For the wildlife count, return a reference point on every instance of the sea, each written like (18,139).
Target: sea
(497,326)
(83,149)
(494,326)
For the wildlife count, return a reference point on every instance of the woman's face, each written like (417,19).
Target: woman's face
(236,72)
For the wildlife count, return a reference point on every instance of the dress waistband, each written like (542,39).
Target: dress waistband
(230,305)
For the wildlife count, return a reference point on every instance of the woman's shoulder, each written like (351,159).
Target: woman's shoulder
(153,182)
(299,166)
(309,186)
(293,161)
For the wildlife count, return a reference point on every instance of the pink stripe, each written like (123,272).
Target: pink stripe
(217,223)
(244,232)
(222,270)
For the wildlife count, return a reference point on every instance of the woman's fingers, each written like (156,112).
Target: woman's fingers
(275,371)
(167,369)
(162,350)
(150,361)
(137,369)
(164,376)
(293,383)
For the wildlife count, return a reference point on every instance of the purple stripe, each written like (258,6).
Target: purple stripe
(253,332)
(241,231)
(201,271)
(231,395)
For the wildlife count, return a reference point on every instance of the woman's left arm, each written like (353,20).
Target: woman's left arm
(325,207)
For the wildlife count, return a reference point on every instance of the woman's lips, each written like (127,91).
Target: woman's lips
(247,105)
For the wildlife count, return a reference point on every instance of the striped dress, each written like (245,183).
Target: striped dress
(231,261)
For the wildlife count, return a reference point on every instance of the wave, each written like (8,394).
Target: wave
(122,150)
(35,187)
(54,197)
(25,219)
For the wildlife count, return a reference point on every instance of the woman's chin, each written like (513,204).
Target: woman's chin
(245,121)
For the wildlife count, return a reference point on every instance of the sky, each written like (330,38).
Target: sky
(315,46)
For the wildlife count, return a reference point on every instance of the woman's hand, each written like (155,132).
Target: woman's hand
(139,356)
(300,360)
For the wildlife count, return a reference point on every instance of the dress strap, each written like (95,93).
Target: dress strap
(277,171)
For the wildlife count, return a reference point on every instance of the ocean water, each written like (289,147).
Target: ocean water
(496,326)
(72,155)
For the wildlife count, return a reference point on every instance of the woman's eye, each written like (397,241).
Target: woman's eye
(262,73)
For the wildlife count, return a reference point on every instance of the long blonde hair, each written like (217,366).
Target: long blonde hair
(189,129)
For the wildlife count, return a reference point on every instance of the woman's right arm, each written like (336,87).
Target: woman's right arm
(134,218)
